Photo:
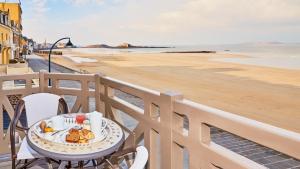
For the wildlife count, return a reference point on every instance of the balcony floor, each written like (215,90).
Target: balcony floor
(41,165)
(263,155)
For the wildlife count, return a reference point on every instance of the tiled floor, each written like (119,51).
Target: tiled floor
(270,158)
(41,165)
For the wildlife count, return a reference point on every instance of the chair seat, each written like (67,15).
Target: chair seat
(26,152)
(141,158)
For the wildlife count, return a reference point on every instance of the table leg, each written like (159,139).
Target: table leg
(80,164)
(95,164)
(49,164)
(63,165)
(69,164)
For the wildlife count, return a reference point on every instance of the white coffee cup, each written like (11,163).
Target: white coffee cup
(58,122)
(98,123)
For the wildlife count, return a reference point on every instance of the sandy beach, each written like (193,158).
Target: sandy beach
(265,94)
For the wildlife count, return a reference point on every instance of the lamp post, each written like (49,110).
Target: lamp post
(69,44)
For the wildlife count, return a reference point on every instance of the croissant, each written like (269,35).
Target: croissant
(43,125)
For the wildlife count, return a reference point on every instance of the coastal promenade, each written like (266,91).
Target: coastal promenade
(37,63)
(249,149)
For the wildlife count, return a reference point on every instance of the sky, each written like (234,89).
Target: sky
(162,22)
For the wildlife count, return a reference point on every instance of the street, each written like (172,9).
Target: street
(37,63)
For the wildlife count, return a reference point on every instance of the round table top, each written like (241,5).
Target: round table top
(77,151)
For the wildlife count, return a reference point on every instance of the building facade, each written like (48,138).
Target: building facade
(6,34)
(11,31)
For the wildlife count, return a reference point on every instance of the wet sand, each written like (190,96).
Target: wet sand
(265,94)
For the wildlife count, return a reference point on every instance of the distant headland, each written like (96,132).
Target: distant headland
(197,51)
(122,46)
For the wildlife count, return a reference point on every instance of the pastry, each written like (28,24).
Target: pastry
(48,129)
(43,125)
(90,136)
(73,131)
(85,132)
(72,138)
(83,141)
(79,136)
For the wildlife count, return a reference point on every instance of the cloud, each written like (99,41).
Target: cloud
(38,7)
(215,21)
(197,14)
(174,21)
(34,19)
(84,2)
(92,2)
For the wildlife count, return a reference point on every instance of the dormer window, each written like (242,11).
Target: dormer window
(6,20)
(3,19)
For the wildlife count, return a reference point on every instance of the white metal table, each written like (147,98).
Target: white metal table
(78,152)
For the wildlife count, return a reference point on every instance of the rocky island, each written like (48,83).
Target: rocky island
(122,46)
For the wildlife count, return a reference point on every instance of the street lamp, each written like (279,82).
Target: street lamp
(69,44)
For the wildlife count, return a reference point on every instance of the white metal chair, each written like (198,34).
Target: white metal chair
(37,106)
(141,158)
(139,162)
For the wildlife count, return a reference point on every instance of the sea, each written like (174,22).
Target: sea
(278,55)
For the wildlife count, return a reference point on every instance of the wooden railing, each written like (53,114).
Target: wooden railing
(168,124)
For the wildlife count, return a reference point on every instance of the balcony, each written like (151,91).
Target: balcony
(5,43)
(177,132)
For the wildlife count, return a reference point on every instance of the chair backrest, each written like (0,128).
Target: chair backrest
(40,106)
(141,158)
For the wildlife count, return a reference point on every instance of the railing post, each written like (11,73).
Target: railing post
(84,96)
(97,92)
(205,134)
(2,148)
(1,84)
(205,139)
(108,92)
(100,107)
(42,80)
(166,107)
